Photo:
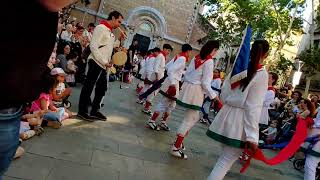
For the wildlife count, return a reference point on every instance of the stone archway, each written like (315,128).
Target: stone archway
(148,22)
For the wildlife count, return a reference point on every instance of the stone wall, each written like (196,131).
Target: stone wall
(176,13)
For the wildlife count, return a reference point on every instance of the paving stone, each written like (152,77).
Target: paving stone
(118,162)
(31,167)
(11,178)
(71,171)
(122,148)
(62,150)
(140,152)
(166,171)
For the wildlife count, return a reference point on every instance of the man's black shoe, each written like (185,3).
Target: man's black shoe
(86,117)
(98,115)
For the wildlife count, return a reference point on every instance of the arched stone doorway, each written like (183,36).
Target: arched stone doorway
(147,25)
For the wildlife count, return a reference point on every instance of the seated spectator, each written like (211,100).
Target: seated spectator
(63,51)
(71,69)
(317,119)
(44,102)
(53,58)
(296,97)
(290,117)
(315,100)
(269,134)
(67,34)
(59,91)
(306,109)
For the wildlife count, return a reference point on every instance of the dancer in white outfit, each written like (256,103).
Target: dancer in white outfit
(237,123)
(197,82)
(170,89)
(148,71)
(142,71)
(158,72)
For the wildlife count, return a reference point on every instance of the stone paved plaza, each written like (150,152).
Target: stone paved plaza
(123,149)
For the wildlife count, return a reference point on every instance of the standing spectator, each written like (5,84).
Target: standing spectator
(130,55)
(67,34)
(101,48)
(88,33)
(21,79)
(63,52)
(76,47)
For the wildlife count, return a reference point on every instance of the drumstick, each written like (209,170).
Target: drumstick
(123,33)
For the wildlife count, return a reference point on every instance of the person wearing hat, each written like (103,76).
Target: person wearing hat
(59,91)
(99,60)
(22,81)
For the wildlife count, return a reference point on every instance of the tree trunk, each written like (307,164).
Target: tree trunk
(306,90)
(228,69)
(277,53)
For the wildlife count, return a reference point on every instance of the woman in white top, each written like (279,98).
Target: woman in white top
(237,124)
(197,82)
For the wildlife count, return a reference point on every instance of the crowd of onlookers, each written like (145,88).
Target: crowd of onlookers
(287,106)
(67,66)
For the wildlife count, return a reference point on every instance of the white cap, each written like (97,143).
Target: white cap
(56,71)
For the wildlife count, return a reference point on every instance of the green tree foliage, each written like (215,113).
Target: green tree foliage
(311,60)
(275,20)
(282,65)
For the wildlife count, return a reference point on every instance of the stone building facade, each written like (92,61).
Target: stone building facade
(152,22)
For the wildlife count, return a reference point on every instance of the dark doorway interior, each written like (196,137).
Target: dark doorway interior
(144,42)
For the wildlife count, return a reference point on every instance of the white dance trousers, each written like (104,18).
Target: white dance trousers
(310,167)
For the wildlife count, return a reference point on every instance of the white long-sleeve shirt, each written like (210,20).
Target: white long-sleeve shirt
(175,69)
(65,35)
(202,75)
(239,117)
(149,66)
(268,100)
(216,83)
(102,36)
(159,65)
(143,67)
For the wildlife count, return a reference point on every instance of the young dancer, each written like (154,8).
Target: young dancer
(158,72)
(170,89)
(197,82)
(142,72)
(216,86)
(236,125)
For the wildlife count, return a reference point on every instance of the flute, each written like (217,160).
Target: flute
(122,33)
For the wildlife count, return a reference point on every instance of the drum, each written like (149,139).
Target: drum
(119,58)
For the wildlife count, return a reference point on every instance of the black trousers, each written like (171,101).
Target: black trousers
(97,77)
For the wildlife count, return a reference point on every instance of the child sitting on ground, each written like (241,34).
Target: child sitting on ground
(30,125)
(53,117)
(59,91)
(270,133)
